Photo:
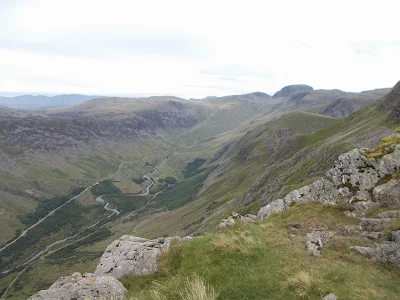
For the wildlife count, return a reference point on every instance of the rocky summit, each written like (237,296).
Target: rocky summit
(289,90)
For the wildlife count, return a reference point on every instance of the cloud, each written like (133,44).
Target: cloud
(195,49)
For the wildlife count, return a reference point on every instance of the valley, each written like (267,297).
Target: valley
(156,167)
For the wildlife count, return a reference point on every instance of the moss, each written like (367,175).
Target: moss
(352,188)
(345,206)
(387,178)
(383,148)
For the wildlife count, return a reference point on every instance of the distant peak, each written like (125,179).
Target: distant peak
(288,90)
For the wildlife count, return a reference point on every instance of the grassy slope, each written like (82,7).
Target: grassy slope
(301,158)
(233,176)
(261,261)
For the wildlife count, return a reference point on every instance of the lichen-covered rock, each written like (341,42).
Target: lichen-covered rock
(316,241)
(80,287)
(388,194)
(351,180)
(131,255)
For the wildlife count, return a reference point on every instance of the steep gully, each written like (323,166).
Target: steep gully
(98,199)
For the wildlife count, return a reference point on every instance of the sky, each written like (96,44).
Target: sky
(196,48)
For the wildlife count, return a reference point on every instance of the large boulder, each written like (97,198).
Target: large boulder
(80,287)
(131,255)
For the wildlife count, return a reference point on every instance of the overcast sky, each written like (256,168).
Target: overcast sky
(196,48)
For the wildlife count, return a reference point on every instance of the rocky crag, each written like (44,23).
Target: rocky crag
(360,179)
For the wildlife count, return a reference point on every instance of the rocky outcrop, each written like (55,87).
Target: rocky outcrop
(354,179)
(360,179)
(231,220)
(80,287)
(131,255)
(388,251)
(316,241)
(128,255)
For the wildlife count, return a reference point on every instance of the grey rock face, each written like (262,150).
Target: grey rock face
(386,252)
(131,255)
(388,194)
(80,287)
(330,296)
(374,225)
(352,179)
(316,241)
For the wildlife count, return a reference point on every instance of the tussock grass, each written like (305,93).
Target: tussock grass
(178,287)
(196,289)
(242,241)
(303,284)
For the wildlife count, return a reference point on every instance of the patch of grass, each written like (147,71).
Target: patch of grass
(241,241)
(383,147)
(303,284)
(193,288)
(352,188)
(261,261)
(387,178)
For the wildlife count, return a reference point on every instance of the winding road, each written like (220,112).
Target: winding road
(98,199)
(42,252)
(61,206)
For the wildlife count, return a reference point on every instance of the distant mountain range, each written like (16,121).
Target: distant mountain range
(43,102)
